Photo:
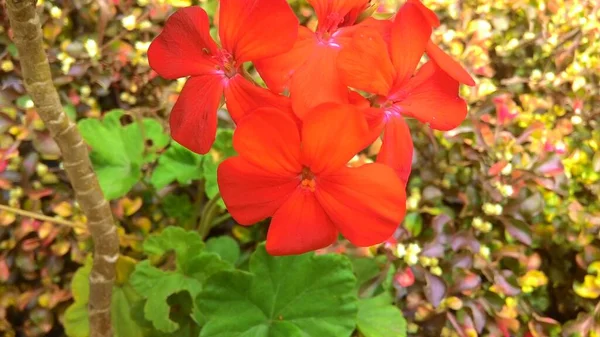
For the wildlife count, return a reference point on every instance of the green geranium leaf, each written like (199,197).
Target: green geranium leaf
(414,223)
(224,143)
(76,319)
(292,296)
(177,164)
(158,138)
(118,152)
(377,317)
(186,245)
(226,247)
(209,167)
(179,207)
(193,266)
(365,269)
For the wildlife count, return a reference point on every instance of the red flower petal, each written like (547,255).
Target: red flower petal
(432,19)
(193,119)
(375,118)
(243,97)
(251,193)
(317,81)
(184,46)
(366,64)
(358,100)
(277,71)
(405,278)
(329,12)
(383,27)
(331,135)
(268,138)
(255,29)
(435,101)
(448,64)
(299,226)
(397,148)
(410,34)
(366,203)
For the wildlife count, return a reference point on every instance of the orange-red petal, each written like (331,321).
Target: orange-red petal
(448,64)
(251,193)
(331,135)
(366,64)
(358,100)
(242,97)
(300,225)
(184,47)
(270,139)
(326,10)
(384,27)
(193,119)
(317,81)
(432,19)
(375,118)
(410,34)
(366,203)
(277,71)
(397,148)
(435,101)
(255,29)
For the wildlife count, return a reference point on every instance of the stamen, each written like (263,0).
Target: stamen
(308,180)
(227,62)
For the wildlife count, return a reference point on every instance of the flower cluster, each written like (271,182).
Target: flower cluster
(329,94)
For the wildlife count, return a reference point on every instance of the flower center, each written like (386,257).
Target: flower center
(226,63)
(308,180)
(392,112)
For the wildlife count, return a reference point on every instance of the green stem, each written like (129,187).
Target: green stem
(198,202)
(220,219)
(210,211)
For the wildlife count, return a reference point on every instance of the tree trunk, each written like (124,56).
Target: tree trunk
(27,31)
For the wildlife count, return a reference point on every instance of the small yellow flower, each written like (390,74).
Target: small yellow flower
(437,271)
(492,209)
(85,91)
(7,66)
(484,251)
(55,12)
(41,169)
(145,24)
(91,47)
(400,250)
(129,22)
(532,279)
(589,288)
(453,303)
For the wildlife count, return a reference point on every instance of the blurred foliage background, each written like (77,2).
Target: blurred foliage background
(502,234)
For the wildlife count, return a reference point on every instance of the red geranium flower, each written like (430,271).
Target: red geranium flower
(249,30)
(388,70)
(300,178)
(309,70)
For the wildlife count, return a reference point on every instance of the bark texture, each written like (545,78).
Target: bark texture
(27,36)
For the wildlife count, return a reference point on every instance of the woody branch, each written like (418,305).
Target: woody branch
(27,33)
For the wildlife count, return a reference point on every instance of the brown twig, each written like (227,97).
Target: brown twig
(43,217)
(37,78)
